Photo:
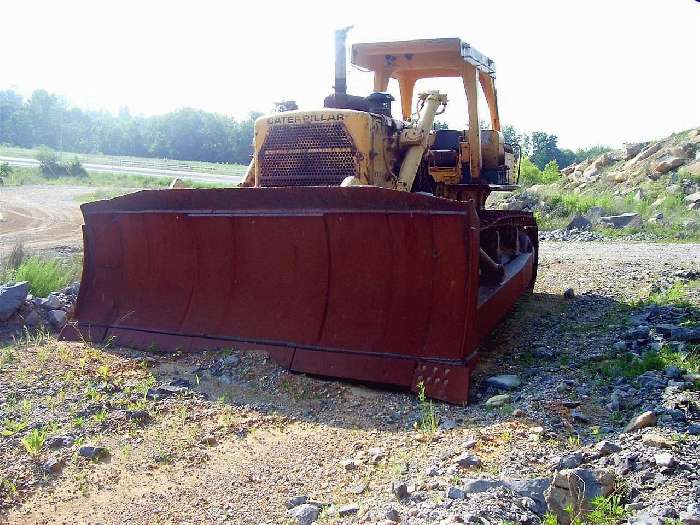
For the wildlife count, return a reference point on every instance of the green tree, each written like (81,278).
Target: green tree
(550,173)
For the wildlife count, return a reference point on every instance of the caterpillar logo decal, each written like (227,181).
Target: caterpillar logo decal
(305,118)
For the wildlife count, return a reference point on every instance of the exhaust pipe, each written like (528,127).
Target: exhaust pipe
(341,84)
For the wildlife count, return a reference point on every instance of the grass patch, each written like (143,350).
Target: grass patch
(630,366)
(606,511)
(580,203)
(44,275)
(132,162)
(34,176)
(675,295)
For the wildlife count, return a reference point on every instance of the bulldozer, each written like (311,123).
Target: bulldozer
(358,246)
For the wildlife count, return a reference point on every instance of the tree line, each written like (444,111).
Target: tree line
(542,148)
(46,119)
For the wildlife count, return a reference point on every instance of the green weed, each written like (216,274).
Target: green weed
(11,427)
(507,409)
(550,519)
(428,421)
(34,441)
(8,486)
(100,417)
(675,295)
(103,372)
(25,407)
(92,394)
(606,511)
(7,356)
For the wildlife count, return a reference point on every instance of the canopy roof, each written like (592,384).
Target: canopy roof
(434,57)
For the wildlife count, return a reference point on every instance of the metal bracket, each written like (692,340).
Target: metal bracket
(446,382)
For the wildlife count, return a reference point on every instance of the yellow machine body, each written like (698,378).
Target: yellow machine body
(323,147)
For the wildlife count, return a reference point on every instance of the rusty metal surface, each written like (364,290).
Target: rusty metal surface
(352,282)
(361,283)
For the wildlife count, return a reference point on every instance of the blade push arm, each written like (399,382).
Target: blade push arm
(417,137)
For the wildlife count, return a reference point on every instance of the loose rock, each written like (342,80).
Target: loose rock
(498,400)
(467,460)
(348,510)
(93,452)
(455,493)
(12,296)
(575,489)
(57,318)
(505,381)
(657,441)
(646,419)
(400,489)
(304,514)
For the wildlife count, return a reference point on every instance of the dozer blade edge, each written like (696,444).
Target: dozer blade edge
(361,283)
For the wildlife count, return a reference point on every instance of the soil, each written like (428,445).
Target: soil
(244,435)
(42,218)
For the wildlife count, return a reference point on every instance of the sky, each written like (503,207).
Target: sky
(591,72)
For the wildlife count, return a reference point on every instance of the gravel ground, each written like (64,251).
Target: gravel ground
(230,437)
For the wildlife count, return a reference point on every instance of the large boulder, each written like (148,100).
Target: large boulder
(568,170)
(12,296)
(693,197)
(694,168)
(668,163)
(579,222)
(528,488)
(590,172)
(646,152)
(574,489)
(594,213)
(633,149)
(623,220)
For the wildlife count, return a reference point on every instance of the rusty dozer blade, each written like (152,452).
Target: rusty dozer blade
(362,283)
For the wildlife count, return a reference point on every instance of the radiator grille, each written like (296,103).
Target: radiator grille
(313,154)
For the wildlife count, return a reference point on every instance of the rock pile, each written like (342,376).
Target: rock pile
(20,308)
(638,161)
(573,235)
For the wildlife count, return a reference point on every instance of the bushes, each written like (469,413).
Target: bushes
(550,173)
(44,275)
(51,168)
(5,170)
(579,203)
(531,174)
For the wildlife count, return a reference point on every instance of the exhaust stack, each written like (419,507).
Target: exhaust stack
(341,84)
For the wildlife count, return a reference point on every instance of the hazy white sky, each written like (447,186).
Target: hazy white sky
(592,71)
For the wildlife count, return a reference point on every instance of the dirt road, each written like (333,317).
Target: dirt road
(41,218)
